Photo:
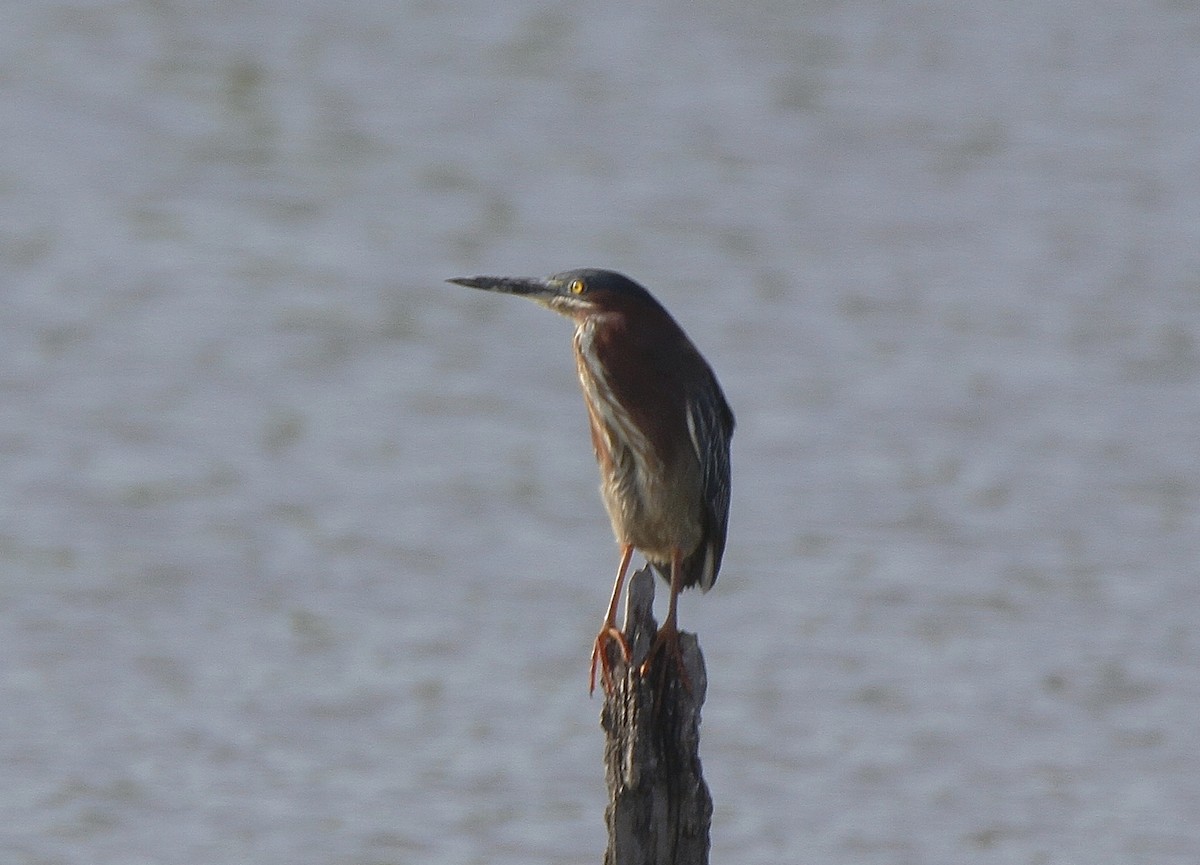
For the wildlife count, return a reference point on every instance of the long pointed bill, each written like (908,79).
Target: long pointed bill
(535,289)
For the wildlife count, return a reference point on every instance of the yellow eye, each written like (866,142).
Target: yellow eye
(577,286)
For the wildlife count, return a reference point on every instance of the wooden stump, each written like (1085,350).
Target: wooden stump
(659,809)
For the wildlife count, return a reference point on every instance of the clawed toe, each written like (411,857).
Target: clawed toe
(600,657)
(667,639)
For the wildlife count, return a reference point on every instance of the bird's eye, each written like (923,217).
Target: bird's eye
(577,286)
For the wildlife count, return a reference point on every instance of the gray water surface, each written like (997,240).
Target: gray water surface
(301,553)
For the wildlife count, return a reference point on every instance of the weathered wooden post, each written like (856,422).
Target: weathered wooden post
(659,809)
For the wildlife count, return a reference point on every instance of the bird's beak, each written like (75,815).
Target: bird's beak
(541,290)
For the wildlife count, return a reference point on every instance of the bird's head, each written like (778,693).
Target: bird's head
(577,294)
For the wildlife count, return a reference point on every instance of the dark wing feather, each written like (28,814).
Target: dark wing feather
(710,424)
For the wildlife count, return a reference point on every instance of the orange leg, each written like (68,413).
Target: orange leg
(668,633)
(609,630)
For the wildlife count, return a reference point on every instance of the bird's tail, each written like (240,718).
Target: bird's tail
(698,569)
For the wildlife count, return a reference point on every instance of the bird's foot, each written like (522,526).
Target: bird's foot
(667,640)
(600,657)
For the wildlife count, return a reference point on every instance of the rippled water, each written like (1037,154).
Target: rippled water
(300,548)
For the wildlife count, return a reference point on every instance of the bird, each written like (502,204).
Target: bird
(660,428)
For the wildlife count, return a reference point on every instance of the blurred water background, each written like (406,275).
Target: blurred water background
(301,552)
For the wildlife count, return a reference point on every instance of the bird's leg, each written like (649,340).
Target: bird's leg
(668,633)
(610,631)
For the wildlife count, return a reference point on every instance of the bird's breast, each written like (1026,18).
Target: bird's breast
(653,504)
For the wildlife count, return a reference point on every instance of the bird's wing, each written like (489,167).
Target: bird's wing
(710,425)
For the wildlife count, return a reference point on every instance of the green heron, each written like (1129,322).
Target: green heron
(660,429)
